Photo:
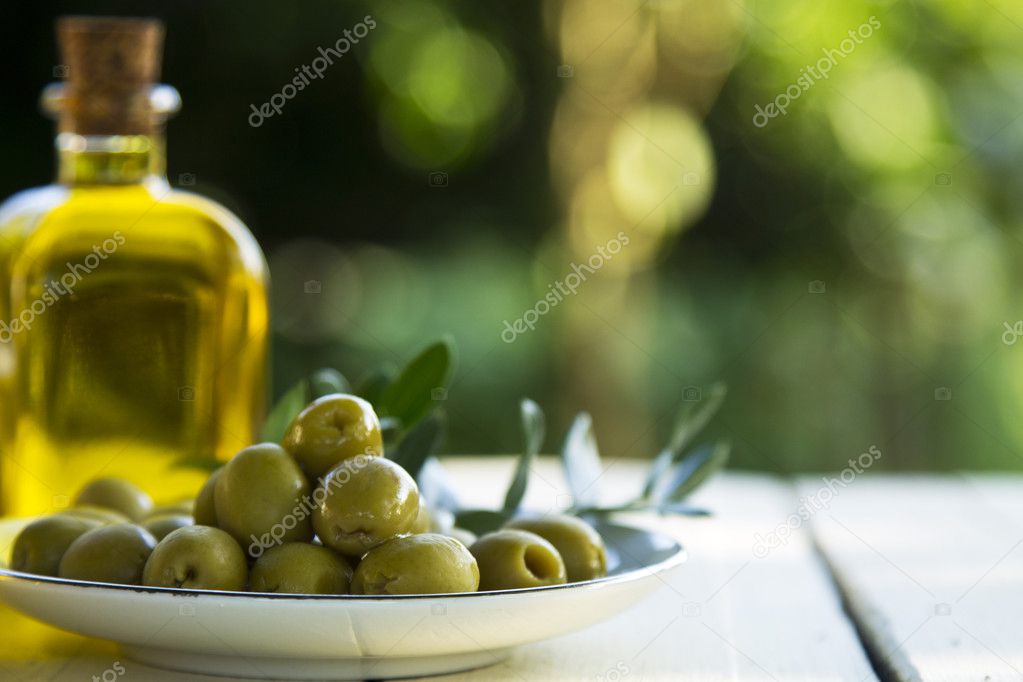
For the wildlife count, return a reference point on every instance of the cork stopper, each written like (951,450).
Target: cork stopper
(112,64)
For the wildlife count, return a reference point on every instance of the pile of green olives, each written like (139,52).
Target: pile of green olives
(323,512)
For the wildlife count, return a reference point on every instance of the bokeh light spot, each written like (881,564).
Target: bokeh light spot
(661,168)
(885,118)
(444,91)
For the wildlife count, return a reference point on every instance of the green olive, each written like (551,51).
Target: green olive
(41,545)
(117,494)
(422,524)
(428,563)
(579,545)
(330,430)
(204,510)
(261,498)
(510,559)
(94,513)
(300,568)
(199,558)
(162,526)
(110,554)
(364,502)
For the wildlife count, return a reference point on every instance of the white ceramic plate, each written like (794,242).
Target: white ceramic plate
(341,637)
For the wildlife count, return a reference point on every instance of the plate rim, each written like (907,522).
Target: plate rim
(678,557)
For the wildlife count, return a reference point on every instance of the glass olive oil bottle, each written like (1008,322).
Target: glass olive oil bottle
(133,316)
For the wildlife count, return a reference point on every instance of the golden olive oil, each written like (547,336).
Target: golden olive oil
(133,323)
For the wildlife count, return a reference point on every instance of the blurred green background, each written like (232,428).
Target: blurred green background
(847,267)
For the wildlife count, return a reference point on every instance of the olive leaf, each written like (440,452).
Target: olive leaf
(687,475)
(676,508)
(404,404)
(436,486)
(682,509)
(691,419)
(373,385)
(420,442)
(581,462)
(284,410)
(481,521)
(533,426)
(325,381)
(411,394)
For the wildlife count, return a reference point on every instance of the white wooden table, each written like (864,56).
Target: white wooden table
(929,569)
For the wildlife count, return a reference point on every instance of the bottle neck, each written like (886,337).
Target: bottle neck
(108,140)
(110,159)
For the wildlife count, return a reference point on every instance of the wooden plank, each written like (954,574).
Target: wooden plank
(728,615)
(933,571)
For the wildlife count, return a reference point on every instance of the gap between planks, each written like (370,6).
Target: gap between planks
(932,571)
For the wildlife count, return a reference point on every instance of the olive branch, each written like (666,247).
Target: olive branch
(414,426)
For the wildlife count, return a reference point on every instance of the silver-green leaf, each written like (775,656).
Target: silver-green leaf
(534,427)
(687,475)
(692,418)
(436,486)
(581,462)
